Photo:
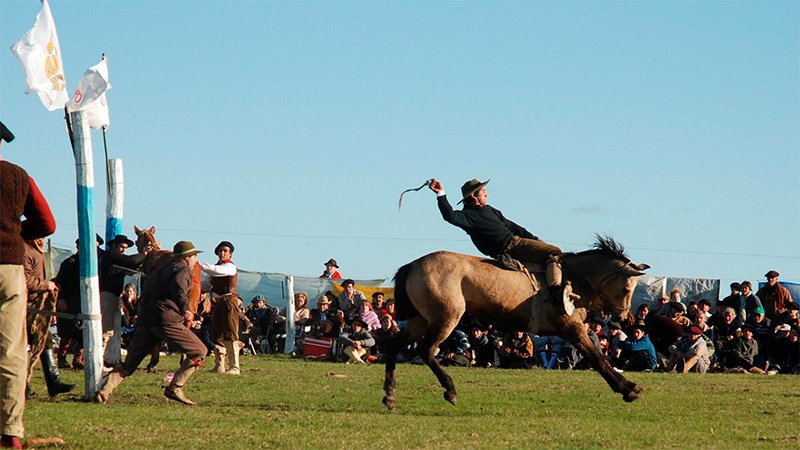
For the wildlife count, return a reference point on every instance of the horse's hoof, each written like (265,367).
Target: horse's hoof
(450,397)
(389,402)
(631,396)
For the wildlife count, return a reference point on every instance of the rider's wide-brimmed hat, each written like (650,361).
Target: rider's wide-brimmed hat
(331,262)
(470,187)
(183,249)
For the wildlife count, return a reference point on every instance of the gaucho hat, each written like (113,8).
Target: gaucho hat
(331,262)
(223,244)
(183,249)
(121,239)
(5,133)
(471,187)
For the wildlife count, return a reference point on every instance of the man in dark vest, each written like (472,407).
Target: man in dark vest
(495,235)
(19,196)
(164,311)
(225,309)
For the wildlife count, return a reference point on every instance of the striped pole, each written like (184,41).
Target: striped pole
(288,346)
(114,202)
(87,248)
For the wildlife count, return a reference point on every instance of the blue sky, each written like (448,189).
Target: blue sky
(290,128)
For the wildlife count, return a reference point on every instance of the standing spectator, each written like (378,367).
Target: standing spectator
(222,281)
(751,300)
(69,301)
(112,271)
(690,352)
(19,196)
(164,312)
(357,342)
(517,351)
(41,297)
(331,270)
(350,299)
(638,353)
(773,296)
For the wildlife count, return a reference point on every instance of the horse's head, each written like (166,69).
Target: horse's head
(146,239)
(604,277)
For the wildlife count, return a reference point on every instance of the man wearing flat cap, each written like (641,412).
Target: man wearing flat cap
(225,311)
(494,235)
(773,296)
(113,266)
(164,310)
(19,197)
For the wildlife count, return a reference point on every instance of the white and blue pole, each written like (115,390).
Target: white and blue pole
(87,248)
(114,202)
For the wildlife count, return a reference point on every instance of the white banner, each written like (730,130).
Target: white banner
(40,55)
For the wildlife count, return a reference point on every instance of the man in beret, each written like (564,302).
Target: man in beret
(774,297)
(494,235)
(164,311)
(19,197)
(690,352)
(222,281)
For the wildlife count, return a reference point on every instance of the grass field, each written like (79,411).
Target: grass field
(290,403)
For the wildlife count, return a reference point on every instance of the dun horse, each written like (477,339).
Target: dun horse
(433,292)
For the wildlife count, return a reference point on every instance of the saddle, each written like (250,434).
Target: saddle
(529,269)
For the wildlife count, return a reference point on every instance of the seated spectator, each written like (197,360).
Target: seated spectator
(705,307)
(356,342)
(677,311)
(615,340)
(301,312)
(638,353)
(368,316)
(569,356)
(481,347)
(786,350)
(662,304)
(763,333)
(383,334)
(321,321)
(350,299)
(740,353)
(548,349)
(724,323)
(454,351)
(258,313)
(517,351)
(390,308)
(378,303)
(734,301)
(789,315)
(674,297)
(129,300)
(331,270)
(692,310)
(690,352)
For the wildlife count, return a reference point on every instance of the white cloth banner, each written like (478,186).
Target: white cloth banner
(90,97)
(40,55)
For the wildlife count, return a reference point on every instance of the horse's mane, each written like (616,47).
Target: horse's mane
(607,245)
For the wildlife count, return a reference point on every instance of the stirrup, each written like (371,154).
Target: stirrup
(563,295)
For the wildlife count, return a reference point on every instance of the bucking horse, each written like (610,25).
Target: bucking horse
(435,291)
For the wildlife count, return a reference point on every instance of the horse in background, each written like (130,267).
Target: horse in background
(435,291)
(147,243)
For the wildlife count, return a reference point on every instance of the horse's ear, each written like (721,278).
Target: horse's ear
(642,267)
(136,229)
(152,230)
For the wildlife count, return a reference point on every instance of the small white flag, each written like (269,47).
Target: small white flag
(40,55)
(90,96)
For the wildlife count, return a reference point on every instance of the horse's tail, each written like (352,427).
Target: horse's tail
(404,309)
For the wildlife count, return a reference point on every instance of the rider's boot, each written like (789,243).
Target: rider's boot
(560,291)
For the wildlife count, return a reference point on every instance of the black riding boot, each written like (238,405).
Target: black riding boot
(52,376)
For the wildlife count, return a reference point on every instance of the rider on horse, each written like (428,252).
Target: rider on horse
(495,235)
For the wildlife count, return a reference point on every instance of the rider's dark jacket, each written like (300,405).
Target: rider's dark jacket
(486,226)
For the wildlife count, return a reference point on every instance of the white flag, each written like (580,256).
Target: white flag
(40,55)
(90,96)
